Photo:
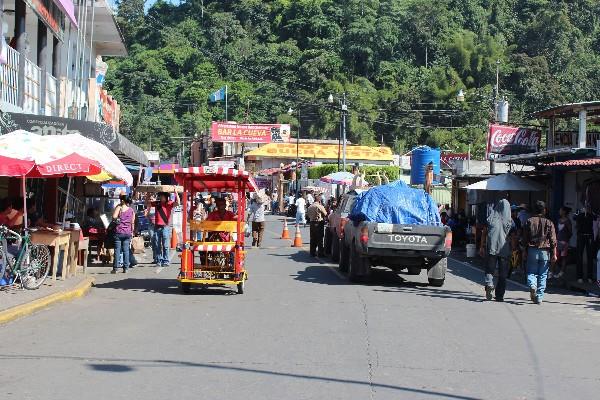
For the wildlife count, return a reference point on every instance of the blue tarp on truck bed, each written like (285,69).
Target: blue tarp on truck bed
(396,203)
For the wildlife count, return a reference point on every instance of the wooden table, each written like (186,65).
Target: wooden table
(73,253)
(58,241)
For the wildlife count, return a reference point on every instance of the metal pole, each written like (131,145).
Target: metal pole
(226,118)
(91,41)
(76,57)
(82,64)
(497,90)
(298,153)
(66,202)
(344,109)
(24,203)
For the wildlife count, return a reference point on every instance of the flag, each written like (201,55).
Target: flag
(219,95)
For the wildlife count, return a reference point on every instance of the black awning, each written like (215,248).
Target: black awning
(126,151)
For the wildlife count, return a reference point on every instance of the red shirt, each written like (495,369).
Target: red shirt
(216,216)
(166,208)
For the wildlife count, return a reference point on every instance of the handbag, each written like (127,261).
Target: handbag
(137,245)
(109,241)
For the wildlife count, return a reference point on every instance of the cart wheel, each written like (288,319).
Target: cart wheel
(240,287)
(186,287)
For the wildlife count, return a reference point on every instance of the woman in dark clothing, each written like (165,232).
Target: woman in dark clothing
(564,231)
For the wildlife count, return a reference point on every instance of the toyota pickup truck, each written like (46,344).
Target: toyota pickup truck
(396,246)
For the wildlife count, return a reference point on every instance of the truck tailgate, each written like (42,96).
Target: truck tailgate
(407,237)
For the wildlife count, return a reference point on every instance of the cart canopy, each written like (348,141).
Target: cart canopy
(216,179)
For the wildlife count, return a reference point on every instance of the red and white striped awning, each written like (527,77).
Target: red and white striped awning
(216,179)
(213,247)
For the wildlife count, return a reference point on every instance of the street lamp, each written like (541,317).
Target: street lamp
(344,106)
(291,112)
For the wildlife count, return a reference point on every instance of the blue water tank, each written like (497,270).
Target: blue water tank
(421,156)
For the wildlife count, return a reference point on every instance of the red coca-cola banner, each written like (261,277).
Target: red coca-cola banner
(504,140)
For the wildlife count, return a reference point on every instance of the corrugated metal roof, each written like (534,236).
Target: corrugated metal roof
(569,110)
(575,163)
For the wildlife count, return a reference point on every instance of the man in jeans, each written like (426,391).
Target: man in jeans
(539,238)
(163,208)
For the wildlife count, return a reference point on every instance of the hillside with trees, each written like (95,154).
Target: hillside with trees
(400,63)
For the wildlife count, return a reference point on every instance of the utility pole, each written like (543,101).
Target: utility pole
(344,111)
(496,95)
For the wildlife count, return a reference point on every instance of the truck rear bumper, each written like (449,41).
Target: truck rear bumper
(404,254)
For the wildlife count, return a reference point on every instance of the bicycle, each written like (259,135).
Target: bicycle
(32,263)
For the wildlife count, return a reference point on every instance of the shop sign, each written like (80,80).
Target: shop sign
(448,159)
(45,125)
(50,14)
(222,163)
(505,140)
(250,133)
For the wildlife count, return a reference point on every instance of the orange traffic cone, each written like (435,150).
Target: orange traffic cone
(286,233)
(297,237)
(173,238)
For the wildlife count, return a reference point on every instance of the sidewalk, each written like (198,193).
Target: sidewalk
(569,282)
(16,302)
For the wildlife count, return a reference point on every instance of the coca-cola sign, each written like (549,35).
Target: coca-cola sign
(503,140)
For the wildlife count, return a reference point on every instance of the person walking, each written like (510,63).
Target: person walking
(316,215)
(564,231)
(257,217)
(301,209)
(584,221)
(124,217)
(496,245)
(150,214)
(163,209)
(539,238)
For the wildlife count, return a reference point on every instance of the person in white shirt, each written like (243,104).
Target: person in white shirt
(309,199)
(301,209)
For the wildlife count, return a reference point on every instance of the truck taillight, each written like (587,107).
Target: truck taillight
(342,224)
(448,242)
(364,235)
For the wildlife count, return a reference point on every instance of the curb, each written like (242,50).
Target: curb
(29,308)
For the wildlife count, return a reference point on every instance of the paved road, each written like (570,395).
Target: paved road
(302,331)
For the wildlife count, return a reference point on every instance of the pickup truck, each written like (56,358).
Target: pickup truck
(336,222)
(395,246)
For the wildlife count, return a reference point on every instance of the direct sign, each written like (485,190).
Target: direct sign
(505,140)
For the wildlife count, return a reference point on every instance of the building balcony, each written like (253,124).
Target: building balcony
(63,97)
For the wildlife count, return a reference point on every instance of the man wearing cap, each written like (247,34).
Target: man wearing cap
(539,238)
(316,214)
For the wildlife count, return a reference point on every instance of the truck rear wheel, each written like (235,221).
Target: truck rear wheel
(344,256)
(335,247)
(327,241)
(359,267)
(436,273)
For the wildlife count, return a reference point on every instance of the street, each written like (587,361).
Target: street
(301,331)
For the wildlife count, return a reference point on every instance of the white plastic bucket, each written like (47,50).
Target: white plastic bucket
(471,251)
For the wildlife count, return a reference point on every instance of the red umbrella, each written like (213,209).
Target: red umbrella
(71,165)
(14,167)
